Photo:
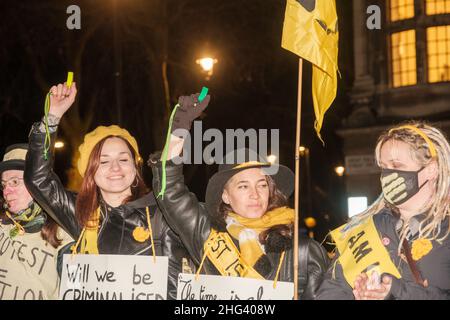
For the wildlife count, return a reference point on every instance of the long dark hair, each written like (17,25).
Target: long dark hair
(88,199)
(49,232)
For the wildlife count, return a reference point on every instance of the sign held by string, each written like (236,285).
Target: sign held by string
(209,287)
(113,277)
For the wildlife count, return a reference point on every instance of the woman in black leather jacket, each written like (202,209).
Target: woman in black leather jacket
(109,214)
(245,216)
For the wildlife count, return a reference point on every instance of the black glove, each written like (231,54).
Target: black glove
(189,110)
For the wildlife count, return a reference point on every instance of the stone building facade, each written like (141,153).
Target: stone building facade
(402,72)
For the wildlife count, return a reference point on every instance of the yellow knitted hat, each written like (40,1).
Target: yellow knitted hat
(92,138)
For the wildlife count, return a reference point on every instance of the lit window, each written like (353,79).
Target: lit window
(401,9)
(438,44)
(356,205)
(438,6)
(404,66)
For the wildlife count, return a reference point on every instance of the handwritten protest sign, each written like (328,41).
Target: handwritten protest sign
(113,277)
(27,267)
(208,287)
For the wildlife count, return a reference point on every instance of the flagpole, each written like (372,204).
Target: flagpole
(297,176)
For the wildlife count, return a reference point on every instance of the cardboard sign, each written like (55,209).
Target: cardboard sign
(27,267)
(208,287)
(113,277)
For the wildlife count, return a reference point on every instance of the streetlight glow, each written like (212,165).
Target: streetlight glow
(310,222)
(272,158)
(59,144)
(339,171)
(207,64)
(303,151)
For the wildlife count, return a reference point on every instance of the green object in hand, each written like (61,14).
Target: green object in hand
(203,94)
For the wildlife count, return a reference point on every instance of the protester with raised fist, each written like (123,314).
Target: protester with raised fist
(245,211)
(110,213)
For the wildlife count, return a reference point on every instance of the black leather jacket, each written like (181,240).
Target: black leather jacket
(117,224)
(190,219)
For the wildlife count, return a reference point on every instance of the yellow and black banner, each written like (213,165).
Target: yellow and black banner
(224,255)
(361,250)
(310,31)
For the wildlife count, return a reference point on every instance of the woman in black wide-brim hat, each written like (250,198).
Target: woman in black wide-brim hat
(245,212)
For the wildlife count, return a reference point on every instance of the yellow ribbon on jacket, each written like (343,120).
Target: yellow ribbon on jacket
(361,250)
(89,235)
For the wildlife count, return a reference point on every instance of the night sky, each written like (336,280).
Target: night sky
(118,56)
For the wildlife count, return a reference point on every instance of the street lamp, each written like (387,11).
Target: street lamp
(271,158)
(340,170)
(207,64)
(59,144)
(310,223)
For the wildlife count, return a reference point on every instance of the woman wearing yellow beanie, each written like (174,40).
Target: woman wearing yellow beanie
(113,213)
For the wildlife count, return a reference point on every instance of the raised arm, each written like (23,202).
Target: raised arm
(180,207)
(40,179)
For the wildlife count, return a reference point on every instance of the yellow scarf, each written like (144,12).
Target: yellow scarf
(89,235)
(225,256)
(247,230)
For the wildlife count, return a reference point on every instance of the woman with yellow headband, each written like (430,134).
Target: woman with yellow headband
(113,213)
(245,222)
(399,248)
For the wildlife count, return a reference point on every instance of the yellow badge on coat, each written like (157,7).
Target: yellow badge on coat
(140,234)
(420,248)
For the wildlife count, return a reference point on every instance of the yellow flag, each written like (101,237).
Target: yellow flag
(311,31)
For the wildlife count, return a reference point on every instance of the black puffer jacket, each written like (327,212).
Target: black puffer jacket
(190,219)
(117,224)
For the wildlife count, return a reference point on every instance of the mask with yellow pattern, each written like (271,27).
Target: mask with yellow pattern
(400,186)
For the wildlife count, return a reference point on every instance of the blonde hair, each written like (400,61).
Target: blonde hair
(438,207)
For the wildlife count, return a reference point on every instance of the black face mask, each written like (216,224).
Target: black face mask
(399,186)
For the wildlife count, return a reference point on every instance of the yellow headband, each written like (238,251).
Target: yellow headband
(422,134)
